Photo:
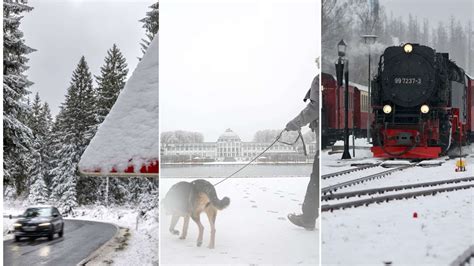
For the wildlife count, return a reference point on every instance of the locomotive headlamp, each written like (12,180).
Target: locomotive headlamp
(424,108)
(387,109)
(407,48)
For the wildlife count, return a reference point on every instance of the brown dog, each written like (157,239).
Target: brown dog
(187,200)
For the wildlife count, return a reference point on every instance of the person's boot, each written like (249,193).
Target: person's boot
(301,221)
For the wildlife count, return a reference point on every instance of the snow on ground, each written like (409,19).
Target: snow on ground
(142,246)
(13,208)
(359,142)
(130,131)
(331,162)
(252,230)
(387,232)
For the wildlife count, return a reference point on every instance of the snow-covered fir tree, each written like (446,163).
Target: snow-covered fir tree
(17,142)
(111,81)
(74,128)
(48,148)
(38,123)
(38,192)
(151,24)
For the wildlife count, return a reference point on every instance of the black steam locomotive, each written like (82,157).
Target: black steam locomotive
(420,103)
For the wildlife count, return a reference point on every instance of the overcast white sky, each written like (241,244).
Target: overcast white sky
(433,10)
(244,65)
(64,30)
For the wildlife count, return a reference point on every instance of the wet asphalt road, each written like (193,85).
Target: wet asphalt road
(80,239)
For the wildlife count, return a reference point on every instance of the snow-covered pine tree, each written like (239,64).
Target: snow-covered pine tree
(16,135)
(111,81)
(38,192)
(151,24)
(74,129)
(47,148)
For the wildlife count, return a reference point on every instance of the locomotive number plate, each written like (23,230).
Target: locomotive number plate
(407,81)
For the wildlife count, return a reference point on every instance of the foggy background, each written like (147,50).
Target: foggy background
(446,26)
(244,65)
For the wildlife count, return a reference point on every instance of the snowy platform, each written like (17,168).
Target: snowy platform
(252,230)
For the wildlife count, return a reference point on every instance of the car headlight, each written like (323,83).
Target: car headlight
(408,48)
(45,224)
(387,109)
(17,224)
(424,108)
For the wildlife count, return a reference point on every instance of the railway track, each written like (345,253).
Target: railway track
(334,188)
(465,258)
(349,171)
(400,196)
(382,190)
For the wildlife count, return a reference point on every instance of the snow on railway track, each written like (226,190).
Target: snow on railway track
(359,180)
(440,186)
(368,183)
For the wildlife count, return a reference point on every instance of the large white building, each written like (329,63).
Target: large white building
(229,147)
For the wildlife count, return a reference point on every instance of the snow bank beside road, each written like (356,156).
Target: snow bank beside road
(141,246)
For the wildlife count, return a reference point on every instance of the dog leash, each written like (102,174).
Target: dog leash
(277,139)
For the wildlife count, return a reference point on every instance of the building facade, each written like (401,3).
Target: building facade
(230,148)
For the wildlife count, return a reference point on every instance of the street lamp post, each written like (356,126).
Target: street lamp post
(369,40)
(340,70)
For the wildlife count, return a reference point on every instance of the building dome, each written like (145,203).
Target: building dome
(229,135)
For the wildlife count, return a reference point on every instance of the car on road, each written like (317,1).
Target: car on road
(40,221)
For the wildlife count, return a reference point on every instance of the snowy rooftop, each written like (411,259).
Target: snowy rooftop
(127,140)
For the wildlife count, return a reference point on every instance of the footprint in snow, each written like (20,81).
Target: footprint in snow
(253,201)
(272,211)
(281,218)
(254,206)
(294,200)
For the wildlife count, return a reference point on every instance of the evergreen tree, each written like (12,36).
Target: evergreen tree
(74,128)
(16,134)
(37,122)
(38,191)
(111,81)
(47,151)
(151,24)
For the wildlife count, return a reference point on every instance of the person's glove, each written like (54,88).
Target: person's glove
(291,126)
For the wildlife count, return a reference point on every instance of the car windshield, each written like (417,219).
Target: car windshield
(37,212)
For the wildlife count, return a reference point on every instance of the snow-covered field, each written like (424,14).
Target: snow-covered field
(252,230)
(388,232)
(141,248)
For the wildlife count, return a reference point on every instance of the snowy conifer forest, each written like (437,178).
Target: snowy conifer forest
(351,19)
(41,152)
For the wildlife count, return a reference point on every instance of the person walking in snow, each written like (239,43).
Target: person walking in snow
(309,115)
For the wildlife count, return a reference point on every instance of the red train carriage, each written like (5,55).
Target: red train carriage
(332,113)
